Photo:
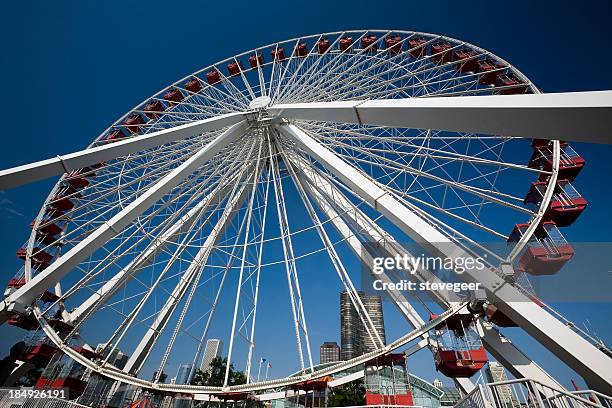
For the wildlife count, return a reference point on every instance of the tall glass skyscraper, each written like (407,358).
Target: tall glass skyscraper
(354,338)
(182,376)
(329,352)
(213,349)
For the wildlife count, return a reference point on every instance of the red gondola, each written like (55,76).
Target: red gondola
(346,44)
(466,60)
(565,206)
(417,47)
(440,52)
(256,60)
(570,162)
(39,257)
(278,54)
(194,85)
(458,351)
(65,373)
(61,202)
(174,96)
(301,50)
(114,135)
(495,316)
(514,84)
(368,43)
(26,322)
(323,45)
(47,239)
(153,108)
(213,77)
(546,252)
(489,71)
(60,326)
(234,68)
(394,44)
(47,228)
(17,282)
(133,123)
(539,143)
(51,212)
(78,178)
(387,381)
(40,354)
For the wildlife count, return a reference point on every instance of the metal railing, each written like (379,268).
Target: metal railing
(526,393)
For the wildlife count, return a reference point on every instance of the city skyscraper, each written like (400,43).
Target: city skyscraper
(182,376)
(329,352)
(496,372)
(213,349)
(354,338)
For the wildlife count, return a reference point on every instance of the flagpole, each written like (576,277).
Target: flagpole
(259,369)
(267,367)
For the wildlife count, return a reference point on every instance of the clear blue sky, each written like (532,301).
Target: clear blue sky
(70,68)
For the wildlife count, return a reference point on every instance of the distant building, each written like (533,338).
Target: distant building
(329,352)
(182,376)
(496,372)
(162,377)
(450,396)
(117,358)
(99,388)
(424,394)
(354,338)
(213,349)
(438,383)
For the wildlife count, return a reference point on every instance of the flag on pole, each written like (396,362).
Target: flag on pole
(263,360)
(269,365)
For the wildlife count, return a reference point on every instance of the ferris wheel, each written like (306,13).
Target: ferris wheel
(161,233)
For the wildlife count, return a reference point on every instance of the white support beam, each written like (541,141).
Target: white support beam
(140,354)
(28,173)
(573,116)
(68,261)
(322,192)
(575,351)
(147,256)
(504,351)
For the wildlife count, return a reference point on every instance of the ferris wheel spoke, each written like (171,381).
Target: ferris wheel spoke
(156,245)
(393,165)
(295,297)
(187,279)
(27,293)
(190,230)
(309,58)
(251,340)
(247,232)
(100,218)
(194,272)
(396,144)
(336,261)
(364,79)
(341,211)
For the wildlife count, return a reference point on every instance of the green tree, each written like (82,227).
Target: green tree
(351,394)
(215,375)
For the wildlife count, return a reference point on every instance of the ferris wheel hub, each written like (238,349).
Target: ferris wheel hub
(260,103)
